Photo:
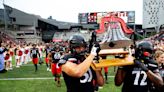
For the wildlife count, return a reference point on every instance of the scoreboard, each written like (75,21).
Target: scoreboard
(95,17)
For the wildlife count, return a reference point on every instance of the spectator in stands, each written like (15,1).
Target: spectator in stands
(22,57)
(11,51)
(8,59)
(27,53)
(17,56)
(159,56)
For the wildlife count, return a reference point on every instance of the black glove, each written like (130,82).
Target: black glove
(141,65)
(152,64)
(95,49)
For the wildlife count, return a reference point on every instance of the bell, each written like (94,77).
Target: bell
(115,38)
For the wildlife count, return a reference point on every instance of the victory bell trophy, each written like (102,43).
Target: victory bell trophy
(115,46)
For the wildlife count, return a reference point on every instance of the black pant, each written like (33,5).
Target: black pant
(3,71)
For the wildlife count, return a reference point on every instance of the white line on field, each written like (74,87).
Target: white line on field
(41,78)
(30,65)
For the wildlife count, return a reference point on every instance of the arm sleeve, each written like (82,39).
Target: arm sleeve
(62,61)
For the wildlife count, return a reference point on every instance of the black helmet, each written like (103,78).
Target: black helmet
(144,49)
(57,47)
(76,41)
(145,46)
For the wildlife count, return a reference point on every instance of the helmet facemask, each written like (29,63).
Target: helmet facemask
(144,51)
(75,43)
(76,49)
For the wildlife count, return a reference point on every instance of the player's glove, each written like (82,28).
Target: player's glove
(152,64)
(141,65)
(95,49)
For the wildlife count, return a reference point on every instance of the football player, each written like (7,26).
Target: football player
(77,73)
(54,56)
(35,56)
(143,74)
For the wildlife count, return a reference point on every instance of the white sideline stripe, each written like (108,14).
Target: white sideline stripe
(29,65)
(45,78)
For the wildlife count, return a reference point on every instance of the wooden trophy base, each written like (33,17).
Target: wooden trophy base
(113,60)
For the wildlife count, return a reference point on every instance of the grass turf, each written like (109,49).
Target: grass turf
(40,85)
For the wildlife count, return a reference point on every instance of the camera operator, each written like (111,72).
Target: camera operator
(143,74)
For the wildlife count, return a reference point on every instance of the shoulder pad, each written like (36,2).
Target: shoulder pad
(64,59)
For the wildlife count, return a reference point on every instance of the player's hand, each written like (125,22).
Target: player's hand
(95,49)
(141,65)
(152,64)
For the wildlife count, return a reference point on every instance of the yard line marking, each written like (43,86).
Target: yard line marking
(39,78)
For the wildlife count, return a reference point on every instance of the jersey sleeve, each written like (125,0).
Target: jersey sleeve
(63,60)
(67,58)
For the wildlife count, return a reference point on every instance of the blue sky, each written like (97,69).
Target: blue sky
(67,10)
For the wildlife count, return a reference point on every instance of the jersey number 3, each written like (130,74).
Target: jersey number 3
(143,79)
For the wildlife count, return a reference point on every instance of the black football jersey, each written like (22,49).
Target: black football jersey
(136,80)
(47,50)
(56,55)
(83,84)
(34,52)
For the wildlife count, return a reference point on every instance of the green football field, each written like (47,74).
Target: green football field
(24,79)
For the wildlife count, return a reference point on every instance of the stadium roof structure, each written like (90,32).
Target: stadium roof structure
(22,18)
(59,24)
